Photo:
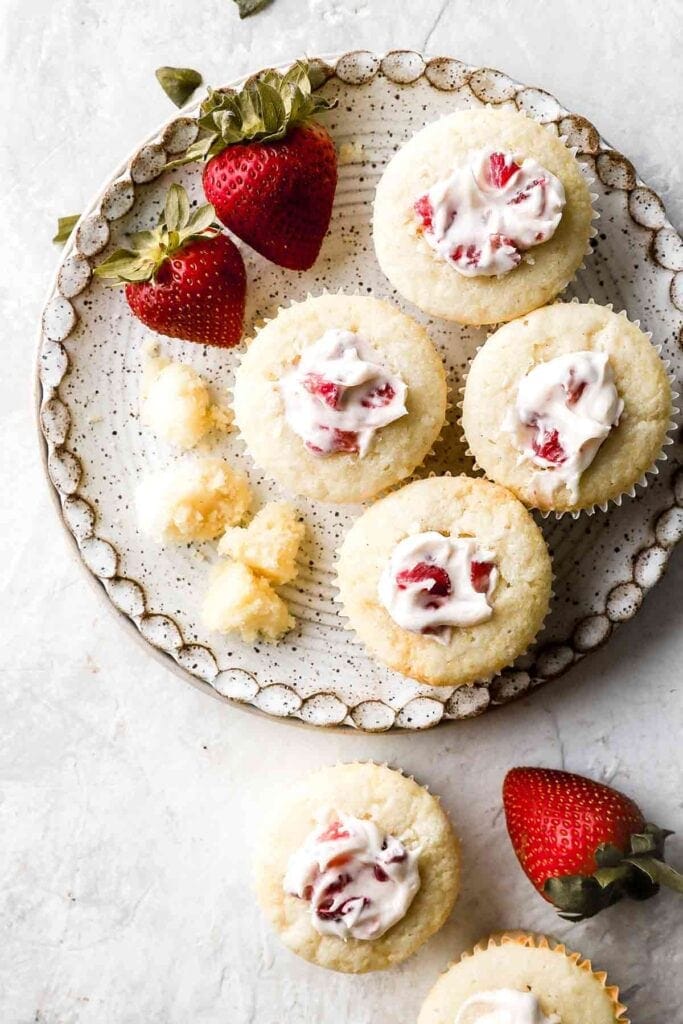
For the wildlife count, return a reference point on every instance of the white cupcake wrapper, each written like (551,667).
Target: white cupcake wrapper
(532,940)
(642,481)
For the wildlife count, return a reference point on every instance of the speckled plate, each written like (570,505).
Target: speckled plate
(95,449)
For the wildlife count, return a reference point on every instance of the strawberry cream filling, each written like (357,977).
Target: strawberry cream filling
(504,1006)
(564,410)
(358,881)
(491,210)
(338,395)
(433,583)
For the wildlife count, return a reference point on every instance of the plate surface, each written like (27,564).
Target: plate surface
(89,370)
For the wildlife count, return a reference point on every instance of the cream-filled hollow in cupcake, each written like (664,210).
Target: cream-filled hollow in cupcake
(446,580)
(567,407)
(482,216)
(526,979)
(340,397)
(358,867)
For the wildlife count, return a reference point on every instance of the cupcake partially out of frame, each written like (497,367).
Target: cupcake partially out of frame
(568,407)
(446,580)
(340,397)
(358,868)
(518,976)
(482,216)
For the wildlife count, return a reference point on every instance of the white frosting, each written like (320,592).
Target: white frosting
(432,583)
(504,1006)
(564,410)
(339,394)
(489,211)
(359,881)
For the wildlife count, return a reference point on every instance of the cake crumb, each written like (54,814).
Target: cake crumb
(269,544)
(239,600)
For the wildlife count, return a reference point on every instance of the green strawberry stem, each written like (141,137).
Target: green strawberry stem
(147,250)
(636,873)
(264,110)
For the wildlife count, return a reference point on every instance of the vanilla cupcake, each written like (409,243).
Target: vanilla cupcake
(567,407)
(358,868)
(482,216)
(446,580)
(522,977)
(340,397)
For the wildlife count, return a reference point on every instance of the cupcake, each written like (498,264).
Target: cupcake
(482,216)
(522,977)
(359,867)
(446,580)
(340,397)
(567,407)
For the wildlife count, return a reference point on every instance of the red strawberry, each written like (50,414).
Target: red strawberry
(271,171)
(582,844)
(184,279)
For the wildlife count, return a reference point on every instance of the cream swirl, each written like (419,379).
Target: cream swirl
(358,880)
(339,395)
(490,210)
(563,411)
(432,583)
(503,1006)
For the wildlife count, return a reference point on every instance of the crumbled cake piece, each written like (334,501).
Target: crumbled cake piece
(176,404)
(269,544)
(239,600)
(196,499)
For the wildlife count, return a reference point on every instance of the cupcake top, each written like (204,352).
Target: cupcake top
(340,396)
(567,407)
(482,216)
(446,580)
(358,867)
(520,978)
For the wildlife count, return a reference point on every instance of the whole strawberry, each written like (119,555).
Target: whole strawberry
(582,844)
(185,278)
(271,171)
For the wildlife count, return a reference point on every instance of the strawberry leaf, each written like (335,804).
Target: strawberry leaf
(200,220)
(176,208)
(178,83)
(65,226)
(247,7)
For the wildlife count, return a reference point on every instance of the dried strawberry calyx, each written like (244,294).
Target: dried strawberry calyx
(637,872)
(265,109)
(148,250)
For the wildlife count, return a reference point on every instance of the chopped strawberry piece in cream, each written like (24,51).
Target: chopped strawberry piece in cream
(334,831)
(480,574)
(437,580)
(423,208)
(326,390)
(547,446)
(380,395)
(501,169)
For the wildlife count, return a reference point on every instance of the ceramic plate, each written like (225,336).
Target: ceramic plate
(89,371)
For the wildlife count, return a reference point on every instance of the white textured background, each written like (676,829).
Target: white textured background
(127,799)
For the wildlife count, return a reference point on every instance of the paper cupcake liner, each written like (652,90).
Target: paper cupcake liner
(642,481)
(532,940)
